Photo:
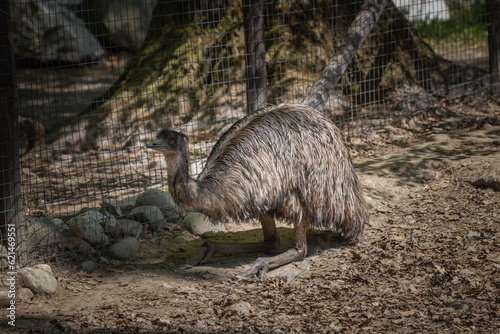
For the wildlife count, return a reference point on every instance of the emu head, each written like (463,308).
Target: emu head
(170,142)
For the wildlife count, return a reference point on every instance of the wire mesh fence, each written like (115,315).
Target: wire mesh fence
(98,79)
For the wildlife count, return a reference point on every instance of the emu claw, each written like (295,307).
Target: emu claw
(259,268)
(203,256)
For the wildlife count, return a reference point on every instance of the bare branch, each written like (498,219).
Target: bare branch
(359,29)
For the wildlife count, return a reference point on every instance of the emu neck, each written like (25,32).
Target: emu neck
(181,186)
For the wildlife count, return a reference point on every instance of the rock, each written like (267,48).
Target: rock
(88,266)
(90,226)
(42,235)
(124,249)
(150,215)
(25,294)
(198,224)
(458,304)
(163,200)
(128,203)
(112,228)
(183,238)
(131,228)
(111,207)
(85,250)
(241,308)
(25,323)
(37,280)
(121,22)
(4,299)
(57,224)
(51,32)
(44,267)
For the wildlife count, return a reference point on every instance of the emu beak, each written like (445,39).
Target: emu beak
(156,145)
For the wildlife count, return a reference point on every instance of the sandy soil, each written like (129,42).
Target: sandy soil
(429,262)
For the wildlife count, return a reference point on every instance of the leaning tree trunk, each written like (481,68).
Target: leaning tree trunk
(192,65)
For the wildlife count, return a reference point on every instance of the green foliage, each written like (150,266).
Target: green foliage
(466,24)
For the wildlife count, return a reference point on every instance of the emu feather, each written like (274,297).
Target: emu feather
(286,162)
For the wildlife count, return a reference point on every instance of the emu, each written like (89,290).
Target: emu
(285,162)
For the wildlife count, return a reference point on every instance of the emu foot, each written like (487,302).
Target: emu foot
(204,254)
(259,268)
(263,264)
(209,248)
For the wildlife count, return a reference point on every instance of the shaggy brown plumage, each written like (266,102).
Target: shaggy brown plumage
(286,162)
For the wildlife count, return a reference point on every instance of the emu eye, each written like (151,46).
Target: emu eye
(171,142)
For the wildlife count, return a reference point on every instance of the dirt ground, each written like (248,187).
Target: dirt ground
(428,263)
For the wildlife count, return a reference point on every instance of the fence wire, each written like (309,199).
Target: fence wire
(98,79)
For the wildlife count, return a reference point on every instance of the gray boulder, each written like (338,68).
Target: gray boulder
(84,249)
(112,228)
(41,234)
(110,207)
(57,224)
(163,200)
(121,22)
(131,228)
(124,249)
(150,215)
(198,224)
(128,203)
(89,224)
(47,30)
(38,279)
(89,266)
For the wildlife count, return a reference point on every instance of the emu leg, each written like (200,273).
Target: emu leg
(297,253)
(271,244)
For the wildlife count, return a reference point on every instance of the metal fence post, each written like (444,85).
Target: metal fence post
(11,210)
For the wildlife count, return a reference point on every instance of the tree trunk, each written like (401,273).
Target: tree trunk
(255,55)
(191,69)
(493,9)
(359,29)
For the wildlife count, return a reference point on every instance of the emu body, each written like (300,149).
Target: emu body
(286,162)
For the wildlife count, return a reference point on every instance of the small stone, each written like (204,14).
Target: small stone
(90,226)
(4,299)
(124,249)
(183,237)
(44,267)
(88,266)
(198,224)
(25,323)
(131,228)
(111,207)
(25,294)
(458,304)
(127,203)
(37,280)
(84,249)
(148,215)
(162,200)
